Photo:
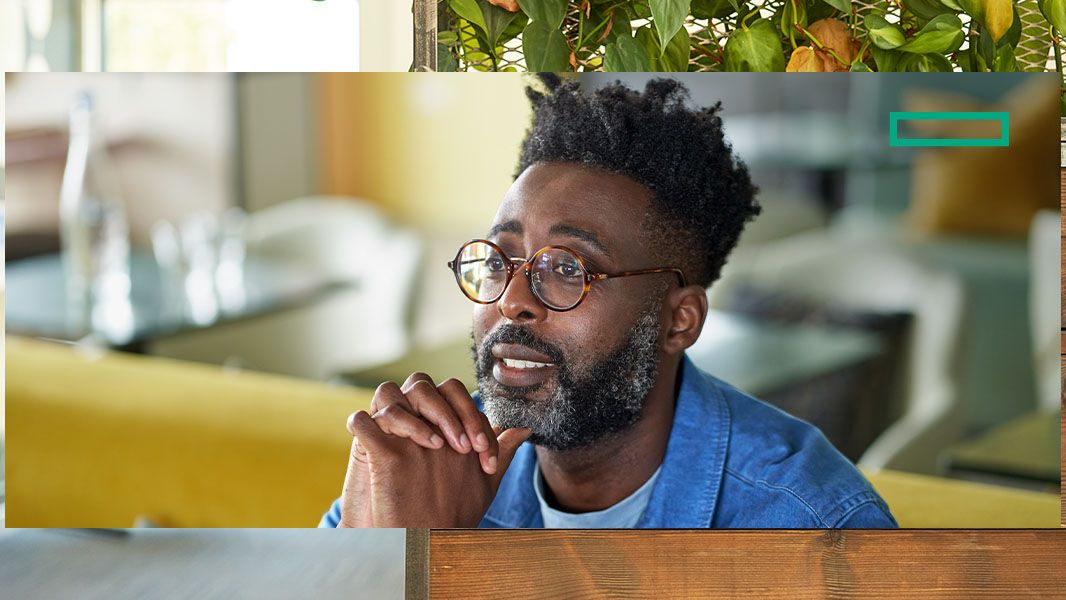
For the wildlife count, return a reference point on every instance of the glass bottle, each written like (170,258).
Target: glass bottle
(94,233)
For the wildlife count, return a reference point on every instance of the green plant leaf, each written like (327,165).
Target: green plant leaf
(1055,12)
(496,21)
(926,10)
(550,12)
(1005,61)
(714,9)
(886,60)
(545,48)
(952,4)
(792,11)
(676,55)
(883,34)
(469,10)
(924,63)
(625,54)
(447,38)
(841,5)
(446,62)
(860,67)
(755,48)
(940,35)
(667,17)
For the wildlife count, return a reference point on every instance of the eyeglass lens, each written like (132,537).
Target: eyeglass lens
(556,276)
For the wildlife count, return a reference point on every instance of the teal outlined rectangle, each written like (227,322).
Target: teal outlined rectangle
(895,117)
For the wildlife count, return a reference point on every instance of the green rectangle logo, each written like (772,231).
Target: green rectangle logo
(894,119)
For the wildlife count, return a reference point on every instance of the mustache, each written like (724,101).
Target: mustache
(518,335)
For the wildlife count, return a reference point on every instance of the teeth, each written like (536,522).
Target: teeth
(524,364)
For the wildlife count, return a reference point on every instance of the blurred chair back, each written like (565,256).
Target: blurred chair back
(1045,306)
(341,239)
(821,267)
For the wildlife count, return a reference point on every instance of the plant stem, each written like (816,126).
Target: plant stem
(1058,51)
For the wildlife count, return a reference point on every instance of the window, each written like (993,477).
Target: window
(222,35)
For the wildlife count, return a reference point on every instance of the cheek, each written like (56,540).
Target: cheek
(484,320)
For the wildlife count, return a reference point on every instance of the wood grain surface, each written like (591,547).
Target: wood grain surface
(1062,322)
(744,564)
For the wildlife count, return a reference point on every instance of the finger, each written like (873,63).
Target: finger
(386,394)
(510,440)
(356,509)
(414,378)
(395,420)
(475,424)
(371,437)
(431,406)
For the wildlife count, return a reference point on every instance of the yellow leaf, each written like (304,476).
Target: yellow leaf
(998,17)
(805,60)
(836,36)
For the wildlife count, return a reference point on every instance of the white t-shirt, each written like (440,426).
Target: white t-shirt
(623,515)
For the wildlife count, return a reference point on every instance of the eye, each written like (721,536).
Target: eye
(568,269)
(495,264)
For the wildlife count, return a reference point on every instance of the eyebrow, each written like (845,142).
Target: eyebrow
(557,229)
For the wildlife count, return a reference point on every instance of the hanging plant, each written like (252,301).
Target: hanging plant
(733,35)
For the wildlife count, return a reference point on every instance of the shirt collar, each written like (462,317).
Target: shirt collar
(686,491)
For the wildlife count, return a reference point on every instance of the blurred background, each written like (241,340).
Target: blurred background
(205,35)
(282,241)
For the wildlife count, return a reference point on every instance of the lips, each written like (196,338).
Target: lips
(520,366)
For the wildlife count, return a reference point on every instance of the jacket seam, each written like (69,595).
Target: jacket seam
(790,492)
(847,514)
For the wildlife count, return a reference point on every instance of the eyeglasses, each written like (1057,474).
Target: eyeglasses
(557,275)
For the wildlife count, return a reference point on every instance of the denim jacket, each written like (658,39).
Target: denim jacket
(731,461)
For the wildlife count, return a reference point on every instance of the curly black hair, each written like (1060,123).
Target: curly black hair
(702,194)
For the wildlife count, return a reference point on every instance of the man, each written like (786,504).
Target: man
(589,287)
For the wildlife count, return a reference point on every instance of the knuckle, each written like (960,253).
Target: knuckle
(385,389)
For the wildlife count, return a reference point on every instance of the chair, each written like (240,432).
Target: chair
(876,276)
(1045,306)
(342,239)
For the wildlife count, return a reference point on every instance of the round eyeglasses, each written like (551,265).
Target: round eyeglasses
(557,275)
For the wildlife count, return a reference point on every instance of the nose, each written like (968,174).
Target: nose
(518,304)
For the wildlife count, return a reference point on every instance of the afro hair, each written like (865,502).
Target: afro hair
(702,195)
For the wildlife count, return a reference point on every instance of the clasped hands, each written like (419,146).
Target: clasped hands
(424,456)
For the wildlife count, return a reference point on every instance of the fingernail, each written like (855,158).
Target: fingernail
(436,440)
(482,442)
(464,441)
(492,464)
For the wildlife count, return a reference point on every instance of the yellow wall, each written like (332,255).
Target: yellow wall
(435,150)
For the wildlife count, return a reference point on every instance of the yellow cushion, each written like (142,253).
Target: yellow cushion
(99,441)
(924,501)
(992,190)
(96,441)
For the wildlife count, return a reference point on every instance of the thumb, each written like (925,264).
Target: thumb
(509,441)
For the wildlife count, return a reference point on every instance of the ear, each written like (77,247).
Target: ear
(687,308)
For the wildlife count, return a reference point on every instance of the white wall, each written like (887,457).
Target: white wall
(386,31)
(183,160)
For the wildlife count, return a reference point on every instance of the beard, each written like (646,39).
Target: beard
(585,403)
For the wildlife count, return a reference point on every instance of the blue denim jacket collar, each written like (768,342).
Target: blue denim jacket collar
(695,452)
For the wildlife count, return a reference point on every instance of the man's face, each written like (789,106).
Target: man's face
(584,373)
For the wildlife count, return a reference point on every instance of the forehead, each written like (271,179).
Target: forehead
(611,205)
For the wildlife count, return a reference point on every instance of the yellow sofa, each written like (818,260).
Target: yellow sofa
(99,440)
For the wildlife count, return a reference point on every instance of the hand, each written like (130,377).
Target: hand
(407,485)
(419,412)
(412,410)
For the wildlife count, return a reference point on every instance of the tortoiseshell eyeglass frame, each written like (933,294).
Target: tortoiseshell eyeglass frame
(513,264)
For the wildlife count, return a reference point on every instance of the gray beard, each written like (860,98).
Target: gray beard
(582,409)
